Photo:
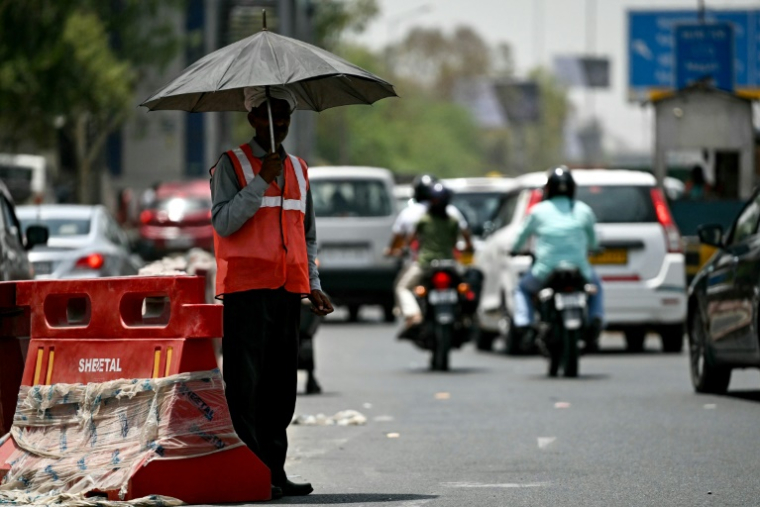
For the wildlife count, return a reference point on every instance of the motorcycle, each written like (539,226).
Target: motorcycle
(563,314)
(448,304)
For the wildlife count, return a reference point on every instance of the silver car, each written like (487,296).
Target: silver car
(84,242)
(355,211)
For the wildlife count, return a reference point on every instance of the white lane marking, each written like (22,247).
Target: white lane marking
(562,404)
(507,485)
(544,442)
(710,406)
(383,418)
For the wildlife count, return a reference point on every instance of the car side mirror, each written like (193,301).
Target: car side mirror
(711,234)
(36,235)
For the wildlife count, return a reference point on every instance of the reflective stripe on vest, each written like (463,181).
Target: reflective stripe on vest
(269,250)
(276,201)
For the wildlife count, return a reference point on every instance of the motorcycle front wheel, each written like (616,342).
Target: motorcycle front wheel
(553,345)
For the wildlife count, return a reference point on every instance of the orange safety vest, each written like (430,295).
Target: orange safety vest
(269,250)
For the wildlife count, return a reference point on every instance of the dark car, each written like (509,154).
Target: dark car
(14,265)
(177,219)
(723,311)
(14,243)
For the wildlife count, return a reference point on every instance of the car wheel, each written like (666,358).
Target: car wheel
(672,338)
(634,338)
(353,313)
(705,376)
(513,345)
(484,340)
(512,340)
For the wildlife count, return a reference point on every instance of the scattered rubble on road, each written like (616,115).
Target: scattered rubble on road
(191,263)
(343,418)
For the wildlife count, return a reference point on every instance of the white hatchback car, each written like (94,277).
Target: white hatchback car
(355,209)
(641,263)
(479,199)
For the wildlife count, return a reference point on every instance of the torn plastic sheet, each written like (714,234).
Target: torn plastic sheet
(77,438)
(79,500)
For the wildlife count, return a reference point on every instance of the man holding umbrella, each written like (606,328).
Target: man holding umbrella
(265,244)
(264,234)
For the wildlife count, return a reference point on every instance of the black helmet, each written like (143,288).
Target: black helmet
(560,182)
(422,185)
(439,195)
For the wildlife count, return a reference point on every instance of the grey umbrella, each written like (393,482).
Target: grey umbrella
(319,79)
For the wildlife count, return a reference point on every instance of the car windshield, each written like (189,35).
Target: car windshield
(60,227)
(18,180)
(477,207)
(619,204)
(350,198)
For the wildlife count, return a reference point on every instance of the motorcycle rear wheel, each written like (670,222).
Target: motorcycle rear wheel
(443,338)
(570,353)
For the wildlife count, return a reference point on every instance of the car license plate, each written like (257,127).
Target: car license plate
(576,300)
(345,255)
(180,242)
(610,256)
(441,297)
(43,268)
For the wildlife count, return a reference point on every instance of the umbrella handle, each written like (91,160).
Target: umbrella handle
(271,125)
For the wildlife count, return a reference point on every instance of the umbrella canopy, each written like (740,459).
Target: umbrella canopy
(319,79)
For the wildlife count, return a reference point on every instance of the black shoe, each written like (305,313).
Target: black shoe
(290,488)
(276,492)
(591,337)
(526,337)
(312,386)
(411,332)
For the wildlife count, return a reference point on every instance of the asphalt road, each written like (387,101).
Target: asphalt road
(495,431)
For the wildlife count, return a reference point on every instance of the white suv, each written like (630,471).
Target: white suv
(355,211)
(641,264)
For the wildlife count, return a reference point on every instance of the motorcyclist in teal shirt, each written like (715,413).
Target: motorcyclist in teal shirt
(564,231)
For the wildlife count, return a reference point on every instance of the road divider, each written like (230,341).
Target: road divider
(121,381)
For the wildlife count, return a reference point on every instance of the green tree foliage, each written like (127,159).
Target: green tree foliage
(423,131)
(416,134)
(334,18)
(73,65)
(436,61)
(545,140)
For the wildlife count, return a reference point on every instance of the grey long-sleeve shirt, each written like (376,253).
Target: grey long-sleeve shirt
(232,206)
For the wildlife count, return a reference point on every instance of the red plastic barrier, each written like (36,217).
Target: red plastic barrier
(94,330)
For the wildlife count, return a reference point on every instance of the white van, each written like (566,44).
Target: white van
(355,209)
(25,177)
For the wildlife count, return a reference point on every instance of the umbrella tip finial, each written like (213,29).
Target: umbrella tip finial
(264,18)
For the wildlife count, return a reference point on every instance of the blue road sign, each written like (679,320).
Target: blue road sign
(651,48)
(704,51)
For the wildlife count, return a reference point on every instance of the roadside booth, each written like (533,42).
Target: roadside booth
(719,125)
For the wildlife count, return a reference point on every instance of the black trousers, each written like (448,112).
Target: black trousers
(260,348)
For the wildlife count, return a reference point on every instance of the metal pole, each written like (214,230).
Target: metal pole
(271,124)
(538,31)
(590,50)
(701,4)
